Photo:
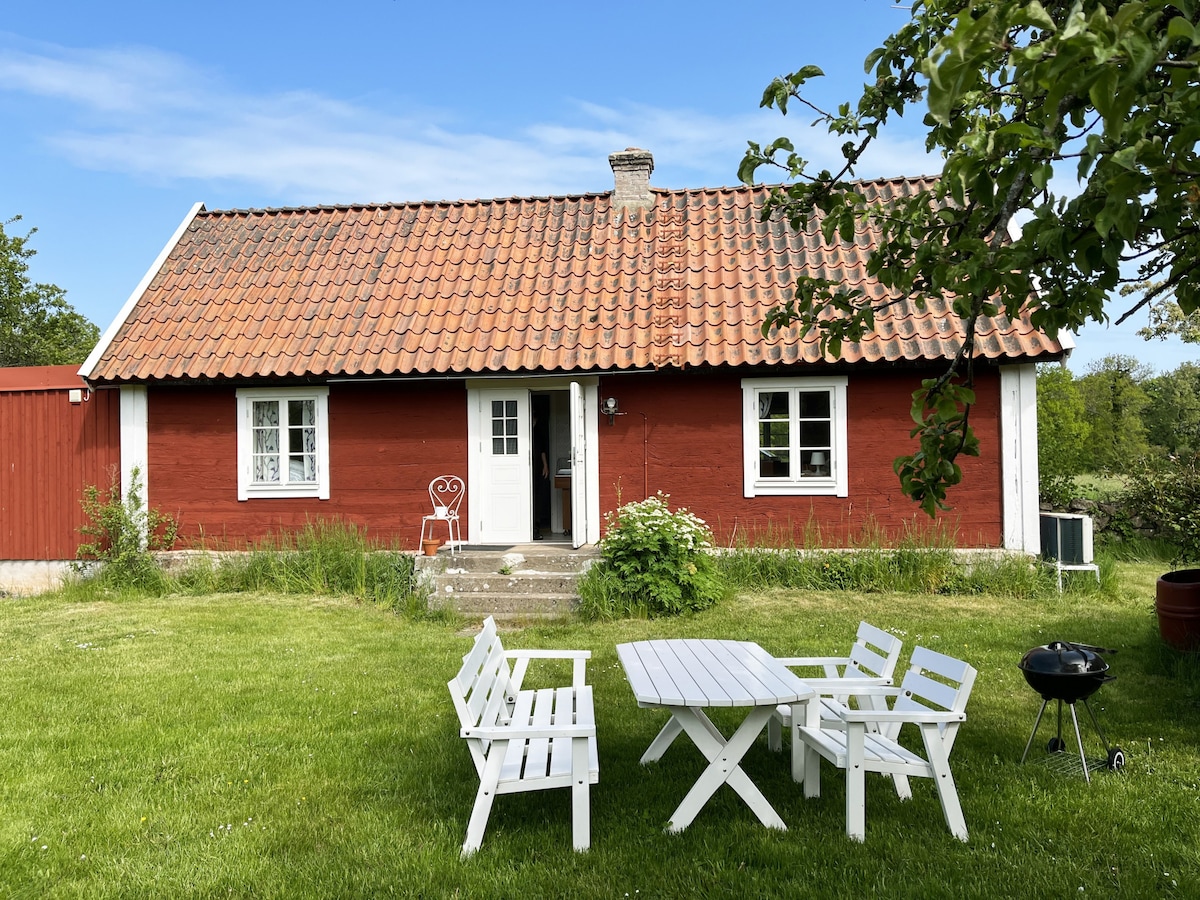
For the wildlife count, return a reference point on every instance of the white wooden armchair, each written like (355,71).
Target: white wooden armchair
(522,739)
(872,661)
(933,697)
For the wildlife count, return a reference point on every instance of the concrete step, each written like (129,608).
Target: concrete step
(508,607)
(526,581)
(519,558)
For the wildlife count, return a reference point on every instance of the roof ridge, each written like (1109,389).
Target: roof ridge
(535,198)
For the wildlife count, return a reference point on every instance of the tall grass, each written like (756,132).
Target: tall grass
(920,558)
(329,558)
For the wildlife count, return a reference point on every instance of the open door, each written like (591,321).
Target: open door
(502,512)
(579,499)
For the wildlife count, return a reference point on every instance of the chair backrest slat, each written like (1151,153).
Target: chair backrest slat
(874,654)
(481,687)
(948,692)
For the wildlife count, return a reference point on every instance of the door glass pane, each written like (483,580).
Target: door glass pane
(504,428)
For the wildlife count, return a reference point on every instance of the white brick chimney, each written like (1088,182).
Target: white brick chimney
(631,168)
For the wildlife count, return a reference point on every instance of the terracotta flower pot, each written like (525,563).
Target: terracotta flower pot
(1177,602)
(430,547)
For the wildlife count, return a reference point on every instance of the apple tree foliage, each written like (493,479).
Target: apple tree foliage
(1077,120)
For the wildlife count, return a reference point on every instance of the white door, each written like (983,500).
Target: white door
(503,487)
(579,480)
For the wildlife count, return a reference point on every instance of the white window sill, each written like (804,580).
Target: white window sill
(813,488)
(259,492)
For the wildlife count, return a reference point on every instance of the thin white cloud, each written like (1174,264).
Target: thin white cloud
(158,117)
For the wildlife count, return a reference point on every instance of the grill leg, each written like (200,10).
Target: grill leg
(1099,730)
(1033,734)
(1079,739)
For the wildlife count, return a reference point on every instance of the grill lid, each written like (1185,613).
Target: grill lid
(1065,658)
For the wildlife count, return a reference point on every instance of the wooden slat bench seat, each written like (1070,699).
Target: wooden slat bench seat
(521,739)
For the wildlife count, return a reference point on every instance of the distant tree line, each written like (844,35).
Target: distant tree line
(38,327)
(1111,419)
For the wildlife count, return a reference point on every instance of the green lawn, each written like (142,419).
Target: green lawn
(267,746)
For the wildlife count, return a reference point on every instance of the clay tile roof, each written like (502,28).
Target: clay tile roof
(551,284)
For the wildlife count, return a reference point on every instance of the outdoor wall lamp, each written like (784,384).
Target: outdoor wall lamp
(611,408)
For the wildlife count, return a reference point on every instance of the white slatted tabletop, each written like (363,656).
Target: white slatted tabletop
(687,675)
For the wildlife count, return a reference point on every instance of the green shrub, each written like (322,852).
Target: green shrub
(653,562)
(124,534)
(1163,494)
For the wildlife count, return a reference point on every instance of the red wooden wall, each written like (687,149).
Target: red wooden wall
(388,440)
(682,434)
(50,449)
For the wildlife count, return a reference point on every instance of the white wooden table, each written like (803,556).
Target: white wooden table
(685,676)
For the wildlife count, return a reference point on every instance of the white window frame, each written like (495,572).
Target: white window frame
(837,483)
(247,488)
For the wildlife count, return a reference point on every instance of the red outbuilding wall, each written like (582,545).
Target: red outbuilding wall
(50,449)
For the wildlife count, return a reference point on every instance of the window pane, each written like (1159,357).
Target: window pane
(772,405)
(266,469)
(815,463)
(264,442)
(774,464)
(773,434)
(814,404)
(302,412)
(504,427)
(814,434)
(266,413)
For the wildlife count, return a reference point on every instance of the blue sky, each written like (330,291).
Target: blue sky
(118,117)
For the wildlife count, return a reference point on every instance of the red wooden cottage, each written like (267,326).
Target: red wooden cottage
(280,366)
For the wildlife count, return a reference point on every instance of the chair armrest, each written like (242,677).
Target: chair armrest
(527,732)
(813,660)
(913,716)
(826,687)
(522,658)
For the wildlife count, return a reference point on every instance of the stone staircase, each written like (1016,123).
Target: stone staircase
(525,581)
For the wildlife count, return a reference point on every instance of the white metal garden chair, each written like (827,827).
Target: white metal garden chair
(445,493)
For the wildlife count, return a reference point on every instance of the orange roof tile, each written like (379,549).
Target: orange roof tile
(551,284)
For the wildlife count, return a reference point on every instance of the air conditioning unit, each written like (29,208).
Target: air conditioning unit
(1067,538)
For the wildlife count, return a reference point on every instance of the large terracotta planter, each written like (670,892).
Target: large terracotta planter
(1177,602)
(430,547)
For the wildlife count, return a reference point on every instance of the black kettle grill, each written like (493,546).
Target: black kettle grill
(1069,672)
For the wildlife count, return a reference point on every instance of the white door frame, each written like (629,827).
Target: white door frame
(586,484)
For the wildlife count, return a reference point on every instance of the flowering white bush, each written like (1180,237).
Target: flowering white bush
(653,562)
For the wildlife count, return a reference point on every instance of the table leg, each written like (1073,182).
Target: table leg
(724,758)
(665,738)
